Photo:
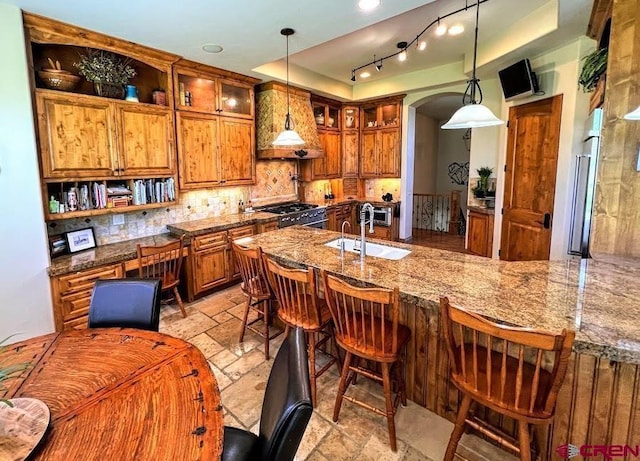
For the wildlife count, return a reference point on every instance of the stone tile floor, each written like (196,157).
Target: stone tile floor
(213,325)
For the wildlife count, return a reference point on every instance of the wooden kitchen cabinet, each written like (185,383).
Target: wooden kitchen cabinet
(77,135)
(208,262)
(146,140)
(480,233)
(350,153)
(89,141)
(71,294)
(380,138)
(332,224)
(215,125)
(267,226)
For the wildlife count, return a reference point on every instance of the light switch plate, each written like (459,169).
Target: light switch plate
(117,219)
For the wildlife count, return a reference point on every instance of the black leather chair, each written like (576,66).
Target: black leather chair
(127,303)
(286,409)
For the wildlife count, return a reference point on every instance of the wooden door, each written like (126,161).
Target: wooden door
(530,180)
(332,155)
(389,153)
(368,155)
(237,151)
(146,142)
(350,149)
(197,150)
(76,136)
(332,223)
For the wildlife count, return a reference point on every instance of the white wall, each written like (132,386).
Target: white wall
(557,72)
(426,155)
(25,299)
(451,148)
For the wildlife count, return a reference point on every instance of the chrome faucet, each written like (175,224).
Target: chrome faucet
(363,218)
(342,238)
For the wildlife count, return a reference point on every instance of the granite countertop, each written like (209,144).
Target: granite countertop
(106,254)
(596,297)
(220,223)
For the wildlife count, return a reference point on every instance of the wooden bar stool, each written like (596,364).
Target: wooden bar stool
(488,366)
(256,288)
(366,325)
(300,306)
(163,262)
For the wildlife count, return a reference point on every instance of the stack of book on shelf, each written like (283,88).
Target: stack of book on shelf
(99,195)
(153,191)
(118,195)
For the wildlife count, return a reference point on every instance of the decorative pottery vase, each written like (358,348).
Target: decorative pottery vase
(132,93)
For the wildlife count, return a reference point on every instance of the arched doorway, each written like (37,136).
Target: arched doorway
(441,175)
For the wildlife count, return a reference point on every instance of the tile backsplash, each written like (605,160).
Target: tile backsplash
(378,187)
(273,184)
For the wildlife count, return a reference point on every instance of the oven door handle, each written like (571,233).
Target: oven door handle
(315,222)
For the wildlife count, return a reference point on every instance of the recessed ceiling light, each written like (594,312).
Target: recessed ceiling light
(367,5)
(211,48)
(365,74)
(456,30)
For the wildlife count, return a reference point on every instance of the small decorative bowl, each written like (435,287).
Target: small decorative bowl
(56,80)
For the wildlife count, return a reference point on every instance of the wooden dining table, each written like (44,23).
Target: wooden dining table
(120,394)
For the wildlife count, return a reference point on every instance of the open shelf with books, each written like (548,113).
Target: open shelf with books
(75,199)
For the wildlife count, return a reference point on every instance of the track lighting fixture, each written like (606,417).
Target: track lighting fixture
(419,41)
(402,56)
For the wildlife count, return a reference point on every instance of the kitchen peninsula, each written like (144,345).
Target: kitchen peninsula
(597,403)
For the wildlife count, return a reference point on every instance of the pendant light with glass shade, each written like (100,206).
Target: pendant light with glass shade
(474,114)
(288,137)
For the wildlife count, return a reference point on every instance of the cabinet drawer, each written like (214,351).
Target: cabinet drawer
(75,305)
(241,232)
(380,232)
(207,241)
(77,324)
(84,280)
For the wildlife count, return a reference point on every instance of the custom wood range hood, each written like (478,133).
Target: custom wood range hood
(271,110)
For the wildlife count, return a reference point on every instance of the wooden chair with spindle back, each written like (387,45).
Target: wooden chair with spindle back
(163,262)
(506,369)
(366,326)
(259,296)
(300,306)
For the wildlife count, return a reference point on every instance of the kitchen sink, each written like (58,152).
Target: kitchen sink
(373,249)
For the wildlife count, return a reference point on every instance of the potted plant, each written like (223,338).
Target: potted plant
(108,72)
(484,174)
(593,68)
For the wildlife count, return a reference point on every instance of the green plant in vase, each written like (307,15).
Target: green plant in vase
(485,172)
(108,72)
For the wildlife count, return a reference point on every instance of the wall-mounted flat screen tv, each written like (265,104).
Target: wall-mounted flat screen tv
(518,80)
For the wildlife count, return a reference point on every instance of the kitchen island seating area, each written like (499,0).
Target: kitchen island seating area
(300,306)
(366,327)
(488,366)
(260,298)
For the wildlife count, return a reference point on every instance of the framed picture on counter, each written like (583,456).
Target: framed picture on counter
(58,245)
(81,239)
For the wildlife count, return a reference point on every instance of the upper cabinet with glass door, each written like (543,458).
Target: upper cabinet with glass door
(381,115)
(326,114)
(200,88)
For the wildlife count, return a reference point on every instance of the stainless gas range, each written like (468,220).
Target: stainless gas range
(293,213)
